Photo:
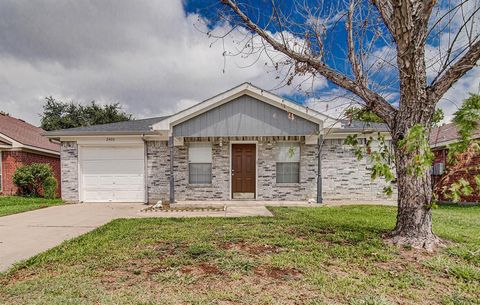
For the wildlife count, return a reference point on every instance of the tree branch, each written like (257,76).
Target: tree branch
(437,89)
(385,8)
(373,100)
(357,70)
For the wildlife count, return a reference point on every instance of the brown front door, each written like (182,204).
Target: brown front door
(243,171)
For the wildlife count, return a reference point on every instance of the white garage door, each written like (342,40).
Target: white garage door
(112,174)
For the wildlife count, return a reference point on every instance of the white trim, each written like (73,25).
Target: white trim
(244,89)
(230,191)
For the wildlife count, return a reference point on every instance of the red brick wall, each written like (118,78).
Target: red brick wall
(441,156)
(11,160)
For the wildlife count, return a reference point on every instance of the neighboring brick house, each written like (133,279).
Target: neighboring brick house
(20,144)
(440,138)
(245,143)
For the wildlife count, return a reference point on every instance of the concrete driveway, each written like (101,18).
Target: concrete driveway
(27,234)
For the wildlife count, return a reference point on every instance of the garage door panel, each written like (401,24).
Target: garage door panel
(95,181)
(117,167)
(112,153)
(113,174)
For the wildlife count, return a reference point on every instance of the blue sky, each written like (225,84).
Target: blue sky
(151,56)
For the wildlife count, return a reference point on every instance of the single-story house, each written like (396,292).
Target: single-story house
(440,138)
(21,144)
(244,143)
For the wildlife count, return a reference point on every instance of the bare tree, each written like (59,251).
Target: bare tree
(427,45)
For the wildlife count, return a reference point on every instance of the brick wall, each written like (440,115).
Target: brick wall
(441,157)
(346,178)
(11,160)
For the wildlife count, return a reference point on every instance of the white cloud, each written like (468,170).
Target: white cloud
(147,55)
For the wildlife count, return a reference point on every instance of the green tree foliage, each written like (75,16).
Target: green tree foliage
(415,143)
(365,115)
(362,114)
(31,179)
(466,119)
(59,115)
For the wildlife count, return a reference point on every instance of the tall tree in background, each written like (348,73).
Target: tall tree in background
(59,115)
(428,45)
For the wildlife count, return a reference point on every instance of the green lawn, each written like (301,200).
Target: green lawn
(14,204)
(300,256)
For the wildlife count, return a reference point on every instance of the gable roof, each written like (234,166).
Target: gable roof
(13,129)
(231,94)
(164,125)
(133,127)
(447,134)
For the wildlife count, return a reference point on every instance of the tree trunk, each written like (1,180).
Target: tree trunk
(414,216)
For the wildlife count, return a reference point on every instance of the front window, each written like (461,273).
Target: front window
(288,162)
(200,163)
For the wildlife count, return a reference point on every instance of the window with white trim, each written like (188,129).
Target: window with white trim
(200,163)
(288,162)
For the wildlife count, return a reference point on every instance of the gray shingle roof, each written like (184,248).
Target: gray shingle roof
(348,125)
(142,126)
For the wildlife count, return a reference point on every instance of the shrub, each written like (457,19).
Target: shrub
(31,179)
(50,187)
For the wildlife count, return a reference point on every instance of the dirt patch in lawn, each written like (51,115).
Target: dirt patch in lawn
(253,249)
(278,273)
(201,269)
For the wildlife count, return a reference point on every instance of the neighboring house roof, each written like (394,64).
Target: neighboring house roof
(18,133)
(133,127)
(447,134)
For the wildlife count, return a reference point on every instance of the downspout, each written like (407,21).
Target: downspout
(172,180)
(145,168)
(319,169)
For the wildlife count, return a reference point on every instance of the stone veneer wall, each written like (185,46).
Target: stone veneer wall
(220,188)
(158,170)
(346,178)
(267,187)
(69,168)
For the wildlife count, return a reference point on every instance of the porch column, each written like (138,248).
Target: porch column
(172,179)
(319,169)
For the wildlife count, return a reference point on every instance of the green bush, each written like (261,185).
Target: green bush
(50,187)
(31,179)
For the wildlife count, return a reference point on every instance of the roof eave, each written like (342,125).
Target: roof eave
(53,135)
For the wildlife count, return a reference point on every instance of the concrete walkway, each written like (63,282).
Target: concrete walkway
(27,234)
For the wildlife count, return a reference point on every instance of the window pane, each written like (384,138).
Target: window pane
(288,152)
(200,173)
(288,172)
(200,153)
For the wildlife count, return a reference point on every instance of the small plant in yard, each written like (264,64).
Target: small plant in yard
(34,178)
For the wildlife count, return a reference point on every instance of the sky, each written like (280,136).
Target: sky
(152,57)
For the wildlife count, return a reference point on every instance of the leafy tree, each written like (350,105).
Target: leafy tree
(461,154)
(34,178)
(60,115)
(302,39)
(365,115)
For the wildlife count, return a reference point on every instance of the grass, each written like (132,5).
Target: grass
(15,204)
(300,256)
